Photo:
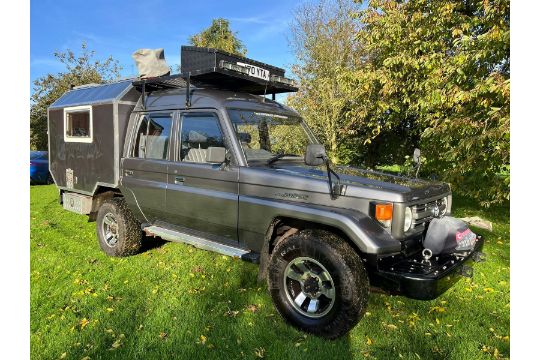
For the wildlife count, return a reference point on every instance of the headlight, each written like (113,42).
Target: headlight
(444,201)
(408,219)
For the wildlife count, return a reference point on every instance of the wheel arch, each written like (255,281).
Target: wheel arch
(281,227)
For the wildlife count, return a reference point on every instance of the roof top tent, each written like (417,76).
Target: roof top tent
(88,124)
(86,129)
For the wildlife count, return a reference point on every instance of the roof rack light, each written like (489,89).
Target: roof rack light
(230,66)
(223,64)
(282,80)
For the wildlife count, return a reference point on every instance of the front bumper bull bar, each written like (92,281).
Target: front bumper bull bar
(418,278)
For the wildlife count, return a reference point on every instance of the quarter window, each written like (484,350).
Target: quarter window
(199,132)
(78,124)
(153,136)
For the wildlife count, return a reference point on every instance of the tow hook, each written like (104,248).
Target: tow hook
(467,271)
(479,257)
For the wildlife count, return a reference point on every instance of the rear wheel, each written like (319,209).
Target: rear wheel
(118,231)
(318,283)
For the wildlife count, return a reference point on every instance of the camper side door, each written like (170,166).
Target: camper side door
(144,169)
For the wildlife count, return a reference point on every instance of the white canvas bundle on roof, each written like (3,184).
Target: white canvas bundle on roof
(151,63)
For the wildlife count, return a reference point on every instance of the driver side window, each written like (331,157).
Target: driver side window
(199,132)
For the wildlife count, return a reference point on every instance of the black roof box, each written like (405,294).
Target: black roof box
(233,72)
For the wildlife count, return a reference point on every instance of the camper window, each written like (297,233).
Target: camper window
(78,124)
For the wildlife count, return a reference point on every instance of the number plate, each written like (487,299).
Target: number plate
(256,71)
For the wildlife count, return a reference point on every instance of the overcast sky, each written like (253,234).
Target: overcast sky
(120,27)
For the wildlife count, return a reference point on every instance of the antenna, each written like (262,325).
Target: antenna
(188,90)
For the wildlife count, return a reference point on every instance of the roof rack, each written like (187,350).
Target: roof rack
(215,68)
(233,72)
(161,82)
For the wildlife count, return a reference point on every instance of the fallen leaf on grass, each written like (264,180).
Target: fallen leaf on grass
(115,345)
(63,356)
(197,269)
(163,335)
(437,309)
(202,340)
(369,341)
(259,352)
(252,308)
(231,313)
(83,323)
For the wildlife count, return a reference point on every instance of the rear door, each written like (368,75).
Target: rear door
(202,196)
(144,170)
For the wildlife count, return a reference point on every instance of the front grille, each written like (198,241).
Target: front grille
(423,213)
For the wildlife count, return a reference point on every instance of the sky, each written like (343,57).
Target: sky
(120,27)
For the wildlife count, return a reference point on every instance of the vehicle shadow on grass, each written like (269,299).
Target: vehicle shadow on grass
(226,314)
(151,242)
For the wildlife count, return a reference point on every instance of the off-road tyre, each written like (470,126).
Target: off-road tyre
(346,270)
(129,233)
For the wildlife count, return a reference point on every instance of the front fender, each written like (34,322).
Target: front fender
(256,216)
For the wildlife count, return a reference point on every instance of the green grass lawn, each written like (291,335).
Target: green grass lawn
(175,301)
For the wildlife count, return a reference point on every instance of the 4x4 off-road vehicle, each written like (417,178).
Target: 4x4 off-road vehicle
(205,158)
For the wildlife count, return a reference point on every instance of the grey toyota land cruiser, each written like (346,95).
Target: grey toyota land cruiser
(206,159)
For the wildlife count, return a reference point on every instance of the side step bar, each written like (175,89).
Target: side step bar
(202,243)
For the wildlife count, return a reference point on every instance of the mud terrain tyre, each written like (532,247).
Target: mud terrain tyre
(118,231)
(318,283)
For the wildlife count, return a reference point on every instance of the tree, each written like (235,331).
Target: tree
(378,81)
(444,68)
(81,69)
(323,39)
(219,36)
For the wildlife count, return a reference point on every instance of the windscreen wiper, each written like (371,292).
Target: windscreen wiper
(275,158)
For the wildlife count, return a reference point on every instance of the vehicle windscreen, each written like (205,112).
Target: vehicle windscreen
(264,135)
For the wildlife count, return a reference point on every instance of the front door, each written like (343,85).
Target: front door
(202,196)
(144,170)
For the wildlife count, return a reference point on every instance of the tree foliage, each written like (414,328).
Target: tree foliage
(80,69)
(435,74)
(219,36)
(323,39)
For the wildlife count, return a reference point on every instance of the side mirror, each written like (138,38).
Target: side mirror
(416,156)
(215,155)
(315,155)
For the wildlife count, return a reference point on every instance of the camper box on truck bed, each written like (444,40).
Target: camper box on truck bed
(86,129)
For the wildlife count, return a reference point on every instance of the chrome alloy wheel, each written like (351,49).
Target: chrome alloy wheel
(110,229)
(309,287)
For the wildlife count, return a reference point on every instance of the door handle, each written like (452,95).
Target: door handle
(179,180)
(128,172)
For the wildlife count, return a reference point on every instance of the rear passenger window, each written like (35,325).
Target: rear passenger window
(199,132)
(153,137)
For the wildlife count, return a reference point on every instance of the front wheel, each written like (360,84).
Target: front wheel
(118,231)
(318,283)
